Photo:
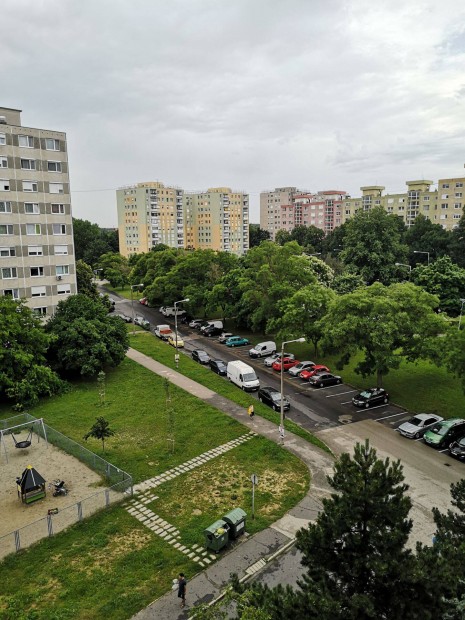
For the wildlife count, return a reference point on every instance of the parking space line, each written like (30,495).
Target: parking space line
(419,439)
(371,409)
(445,450)
(389,416)
(345,403)
(340,394)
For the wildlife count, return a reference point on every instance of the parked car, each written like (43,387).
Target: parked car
(236,341)
(139,320)
(444,433)
(324,379)
(144,301)
(370,398)
(225,336)
(272,397)
(300,367)
(242,375)
(457,448)
(417,426)
(172,341)
(125,317)
(185,319)
(269,361)
(211,330)
(200,356)
(219,367)
(196,322)
(305,375)
(217,324)
(263,349)
(286,362)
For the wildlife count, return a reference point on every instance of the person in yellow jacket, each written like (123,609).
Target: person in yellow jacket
(251,411)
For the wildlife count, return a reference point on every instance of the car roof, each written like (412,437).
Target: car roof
(425,416)
(451,422)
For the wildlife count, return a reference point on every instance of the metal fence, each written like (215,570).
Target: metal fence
(119,485)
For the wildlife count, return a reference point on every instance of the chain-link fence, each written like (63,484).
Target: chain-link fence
(119,485)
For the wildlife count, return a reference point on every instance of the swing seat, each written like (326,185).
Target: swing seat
(22,444)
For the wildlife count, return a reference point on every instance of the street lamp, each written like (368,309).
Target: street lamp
(462,301)
(133,286)
(282,377)
(96,271)
(420,252)
(181,301)
(314,254)
(409,267)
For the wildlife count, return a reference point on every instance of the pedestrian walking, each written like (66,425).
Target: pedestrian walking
(281,433)
(251,411)
(182,589)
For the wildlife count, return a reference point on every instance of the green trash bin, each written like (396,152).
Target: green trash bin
(216,536)
(236,521)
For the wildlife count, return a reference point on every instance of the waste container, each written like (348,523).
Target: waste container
(236,521)
(216,536)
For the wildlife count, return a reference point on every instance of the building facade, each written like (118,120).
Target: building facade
(37,259)
(271,208)
(150,213)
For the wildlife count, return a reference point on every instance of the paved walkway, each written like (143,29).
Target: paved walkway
(252,554)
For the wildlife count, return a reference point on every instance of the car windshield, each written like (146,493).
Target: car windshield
(461,442)
(439,429)
(202,354)
(249,376)
(415,421)
(365,394)
(275,396)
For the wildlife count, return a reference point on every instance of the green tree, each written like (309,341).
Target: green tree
(387,324)
(454,348)
(333,243)
(257,235)
(100,430)
(24,373)
(91,241)
(424,236)
(115,267)
(444,279)
(373,245)
(457,243)
(86,339)
(308,237)
(85,280)
(347,282)
(282,237)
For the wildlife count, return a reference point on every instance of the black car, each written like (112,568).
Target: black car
(186,319)
(200,356)
(219,367)
(211,330)
(371,397)
(272,397)
(457,448)
(324,379)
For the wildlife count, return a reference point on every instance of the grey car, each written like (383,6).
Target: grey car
(269,361)
(296,370)
(417,426)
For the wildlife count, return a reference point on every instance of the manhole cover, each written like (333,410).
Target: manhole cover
(345,419)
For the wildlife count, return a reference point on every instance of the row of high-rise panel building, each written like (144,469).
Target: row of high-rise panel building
(284,208)
(36,229)
(152,213)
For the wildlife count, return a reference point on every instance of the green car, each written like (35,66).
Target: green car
(236,341)
(444,433)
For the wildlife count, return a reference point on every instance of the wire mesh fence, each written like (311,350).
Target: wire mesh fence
(118,486)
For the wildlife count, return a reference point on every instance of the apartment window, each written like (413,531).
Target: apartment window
(458,194)
(38,291)
(62,270)
(28,164)
(55,188)
(3,162)
(444,205)
(58,209)
(401,209)
(11,292)
(4,185)
(37,272)
(59,229)
(5,206)
(456,185)
(27,141)
(63,289)
(377,202)
(445,186)
(51,144)
(2,138)
(33,229)
(40,311)
(8,273)
(458,205)
(54,166)
(425,197)
(445,196)
(4,252)
(457,216)
(30,186)
(6,229)
(31,208)
(443,217)
(35,250)
(401,200)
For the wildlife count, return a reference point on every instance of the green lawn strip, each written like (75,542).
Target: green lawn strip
(124,292)
(163,353)
(195,500)
(109,566)
(136,409)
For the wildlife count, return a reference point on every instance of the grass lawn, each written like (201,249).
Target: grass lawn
(163,353)
(124,292)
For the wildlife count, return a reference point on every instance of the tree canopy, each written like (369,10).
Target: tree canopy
(444,279)
(91,241)
(257,235)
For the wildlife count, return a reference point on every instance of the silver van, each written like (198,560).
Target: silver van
(263,349)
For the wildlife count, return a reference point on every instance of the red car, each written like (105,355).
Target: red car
(287,363)
(306,374)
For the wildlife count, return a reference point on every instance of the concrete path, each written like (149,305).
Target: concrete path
(254,552)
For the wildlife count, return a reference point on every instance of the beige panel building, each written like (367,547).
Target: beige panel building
(37,259)
(271,208)
(148,214)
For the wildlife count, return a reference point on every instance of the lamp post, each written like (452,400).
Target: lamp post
(409,267)
(314,254)
(420,252)
(181,301)
(462,301)
(282,377)
(96,271)
(133,286)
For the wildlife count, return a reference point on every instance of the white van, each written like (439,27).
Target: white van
(242,375)
(171,311)
(218,325)
(263,349)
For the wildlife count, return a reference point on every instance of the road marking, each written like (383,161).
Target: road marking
(371,408)
(388,416)
(445,450)
(328,387)
(419,439)
(341,394)
(346,403)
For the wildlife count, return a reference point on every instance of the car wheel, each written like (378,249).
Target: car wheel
(338,382)
(385,400)
(276,408)
(321,384)
(260,399)
(243,388)
(367,405)
(417,436)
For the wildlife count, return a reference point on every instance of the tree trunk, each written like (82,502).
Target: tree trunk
(379,379)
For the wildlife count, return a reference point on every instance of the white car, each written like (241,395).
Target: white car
(139,320)
(269,361)
(417,426)
(224,336)
(296,370)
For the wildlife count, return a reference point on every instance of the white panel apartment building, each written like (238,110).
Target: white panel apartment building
(36,236)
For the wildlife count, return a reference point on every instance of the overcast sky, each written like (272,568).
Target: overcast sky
(250,94)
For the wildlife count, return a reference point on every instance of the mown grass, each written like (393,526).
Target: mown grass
(163,353)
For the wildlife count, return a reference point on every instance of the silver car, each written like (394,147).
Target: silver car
(269,361)
(296,370)
(417,426)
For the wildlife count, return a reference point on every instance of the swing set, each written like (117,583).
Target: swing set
(24,443)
